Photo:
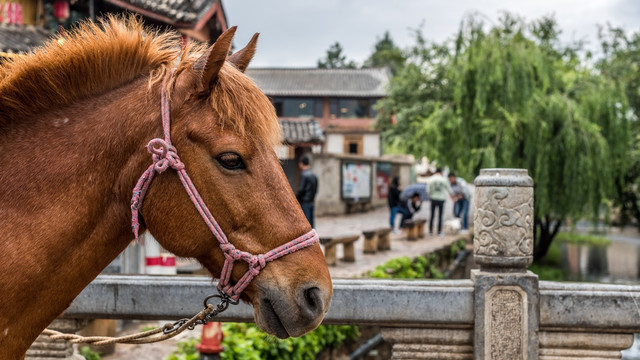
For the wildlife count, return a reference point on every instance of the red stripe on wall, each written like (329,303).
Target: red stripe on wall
(161,261)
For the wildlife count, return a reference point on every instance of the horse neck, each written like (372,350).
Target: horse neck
(65,202)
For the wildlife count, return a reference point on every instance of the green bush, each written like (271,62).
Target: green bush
(456,247)
(186,351)
(89,354)
(420,267)
(247,341)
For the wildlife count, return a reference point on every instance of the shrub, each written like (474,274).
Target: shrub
(89,354)
(420,267)
(247,341)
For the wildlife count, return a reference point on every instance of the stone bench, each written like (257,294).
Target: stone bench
(376,239)
(421,223)
(330,248)
(384,238)
(414,229)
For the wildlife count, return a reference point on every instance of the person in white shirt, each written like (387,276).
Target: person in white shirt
(461,197)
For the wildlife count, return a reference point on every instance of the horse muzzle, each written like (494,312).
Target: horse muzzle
(285,316)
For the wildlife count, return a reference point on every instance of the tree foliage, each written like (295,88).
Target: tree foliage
(335,59)
(622,63)
(510,96)
(386,54)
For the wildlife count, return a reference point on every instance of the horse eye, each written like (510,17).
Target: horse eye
(231,161)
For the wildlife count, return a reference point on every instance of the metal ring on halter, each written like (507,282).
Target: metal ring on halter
(224,298)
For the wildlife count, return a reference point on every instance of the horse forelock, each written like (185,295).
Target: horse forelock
(237,101)
(241,105)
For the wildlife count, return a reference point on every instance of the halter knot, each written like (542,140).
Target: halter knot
(164,155)
(257,262)
(227,248)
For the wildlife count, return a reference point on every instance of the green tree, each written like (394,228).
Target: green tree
(509,96)
(335,59)
(622,63)
(386,54)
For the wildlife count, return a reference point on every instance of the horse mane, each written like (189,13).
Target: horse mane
(96,57)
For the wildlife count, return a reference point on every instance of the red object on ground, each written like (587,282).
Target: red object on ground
(211,339)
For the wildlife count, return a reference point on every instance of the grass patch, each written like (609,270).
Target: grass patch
(582,239)
(549,272)
(549,268)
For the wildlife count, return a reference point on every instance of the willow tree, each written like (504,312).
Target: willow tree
(509,96)
(622,62)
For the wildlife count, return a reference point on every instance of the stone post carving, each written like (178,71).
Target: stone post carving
(506,294)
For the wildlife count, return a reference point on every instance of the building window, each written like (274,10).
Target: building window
(353,144)
(352,108)
(298,107)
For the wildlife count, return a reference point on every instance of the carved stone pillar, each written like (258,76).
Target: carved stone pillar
(506,295)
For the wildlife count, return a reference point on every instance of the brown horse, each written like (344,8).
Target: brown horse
(75,117)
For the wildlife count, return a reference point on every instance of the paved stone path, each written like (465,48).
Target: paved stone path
(356,223)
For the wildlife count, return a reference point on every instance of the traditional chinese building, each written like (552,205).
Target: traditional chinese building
(329,114)
(25,24)
(339,100)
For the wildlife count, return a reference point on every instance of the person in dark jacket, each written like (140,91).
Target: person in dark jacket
(307,190)
(393,199)
(409,207)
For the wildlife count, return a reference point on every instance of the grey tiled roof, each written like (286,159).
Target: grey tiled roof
(20,39)
(298,131)
(321,82)
(180,11)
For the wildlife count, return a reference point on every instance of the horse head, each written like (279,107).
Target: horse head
(225,129)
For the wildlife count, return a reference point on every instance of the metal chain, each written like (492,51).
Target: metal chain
(168,331)
(225,301)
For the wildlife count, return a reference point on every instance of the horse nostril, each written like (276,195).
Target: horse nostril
(312,300)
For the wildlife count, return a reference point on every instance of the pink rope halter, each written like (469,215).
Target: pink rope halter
(165,156)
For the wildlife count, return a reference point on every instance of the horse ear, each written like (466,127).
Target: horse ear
(210,63)
(242,58)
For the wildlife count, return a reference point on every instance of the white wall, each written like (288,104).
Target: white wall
(334,143)
(371,145)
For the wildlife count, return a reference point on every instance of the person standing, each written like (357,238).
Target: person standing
(307,189)
(461,197)
(438,188)
(393,199)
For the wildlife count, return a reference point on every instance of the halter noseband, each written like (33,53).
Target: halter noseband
(165,156)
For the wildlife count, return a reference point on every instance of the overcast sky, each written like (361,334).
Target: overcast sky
(296,33)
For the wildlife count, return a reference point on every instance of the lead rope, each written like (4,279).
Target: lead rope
(165,156)
(167,331)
